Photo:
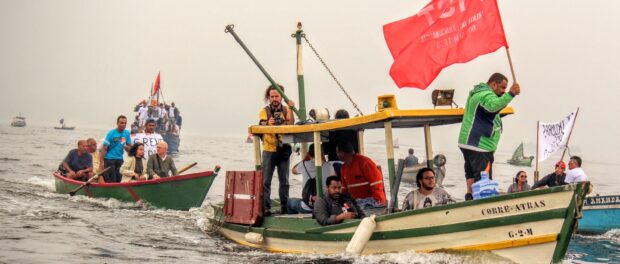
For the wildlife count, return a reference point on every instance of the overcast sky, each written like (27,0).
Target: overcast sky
(89,61)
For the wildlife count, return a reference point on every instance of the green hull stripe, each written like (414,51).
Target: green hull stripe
(352,223)
(406,233)
(569,223)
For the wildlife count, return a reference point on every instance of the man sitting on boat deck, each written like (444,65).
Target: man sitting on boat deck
(275,153)
(149,139)
(91,144)
(411,160)
(161,165)
(575,173)
(482,126)
(336,206)
(556,178)
(428,193)
(308,171)
(116,142)
(78,164)
(134,168)
(520,183)
(361,178)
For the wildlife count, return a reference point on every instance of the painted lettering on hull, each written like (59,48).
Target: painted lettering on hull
(509,208)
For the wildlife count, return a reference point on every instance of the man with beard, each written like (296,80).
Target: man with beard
(149,139)
(427,194)
(336,206)
(116,142)
(275,153)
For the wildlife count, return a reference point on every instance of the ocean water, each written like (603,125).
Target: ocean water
(39,226)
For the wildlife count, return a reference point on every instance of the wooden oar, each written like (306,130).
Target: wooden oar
(187,168)
(72,193)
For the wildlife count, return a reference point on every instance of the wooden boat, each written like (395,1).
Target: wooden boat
(525,227)
(177,192)
(18,121)
(518,159)
(600,214)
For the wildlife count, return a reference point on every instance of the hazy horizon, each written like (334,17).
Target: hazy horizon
(89,61)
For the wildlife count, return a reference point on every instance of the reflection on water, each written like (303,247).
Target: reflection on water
(38,225)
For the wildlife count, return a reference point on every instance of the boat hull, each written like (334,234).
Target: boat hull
(521,162)
(526,227)
(18,123)
(173,141)
(600,214)
(65,128)
(178,192)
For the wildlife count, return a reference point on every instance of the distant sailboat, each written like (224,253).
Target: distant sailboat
(518,159)
(63,126)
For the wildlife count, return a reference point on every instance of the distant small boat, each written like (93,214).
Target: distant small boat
(19,121)
(600,214)
(518,159)
(63,126)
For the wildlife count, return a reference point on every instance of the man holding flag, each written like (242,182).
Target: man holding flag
(482,126)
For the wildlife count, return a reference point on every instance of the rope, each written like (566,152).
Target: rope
(332,74)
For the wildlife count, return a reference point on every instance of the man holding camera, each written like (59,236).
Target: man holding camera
(275,153)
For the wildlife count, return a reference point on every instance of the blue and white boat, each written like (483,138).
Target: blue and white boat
(601,213)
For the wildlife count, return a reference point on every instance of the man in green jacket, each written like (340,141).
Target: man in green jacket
(482,126)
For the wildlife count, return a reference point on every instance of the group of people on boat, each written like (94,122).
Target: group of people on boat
(354,183)
(167,117)
(146,156)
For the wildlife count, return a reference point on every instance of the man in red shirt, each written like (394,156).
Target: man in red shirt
(360,176)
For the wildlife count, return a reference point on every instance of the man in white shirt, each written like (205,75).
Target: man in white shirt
(149,138)
(575,173)
(427,194)
(143,113)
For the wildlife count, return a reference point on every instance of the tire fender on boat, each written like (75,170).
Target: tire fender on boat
(362,235)
(254,238)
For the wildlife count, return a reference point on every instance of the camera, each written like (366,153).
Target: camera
(278,117)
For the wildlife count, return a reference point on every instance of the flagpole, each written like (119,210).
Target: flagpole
(569,134)
(512,70)
(537,147)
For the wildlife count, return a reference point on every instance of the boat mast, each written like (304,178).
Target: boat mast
(300,84)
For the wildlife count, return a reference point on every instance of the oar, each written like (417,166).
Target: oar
(72,193)
(187,168)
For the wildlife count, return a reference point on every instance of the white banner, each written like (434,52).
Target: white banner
(554,136)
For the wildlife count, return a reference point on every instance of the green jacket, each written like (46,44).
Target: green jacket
(482,125)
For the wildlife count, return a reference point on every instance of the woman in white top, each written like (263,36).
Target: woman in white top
(134,167)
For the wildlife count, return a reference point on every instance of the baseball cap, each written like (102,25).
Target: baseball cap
(561,164)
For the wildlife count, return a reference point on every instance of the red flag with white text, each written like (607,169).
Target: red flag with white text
(444,32)
(156,85)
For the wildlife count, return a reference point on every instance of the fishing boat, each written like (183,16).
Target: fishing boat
(176,192)
(525,227)
(600,214)
(519,159)
(64,126)
(18,121)
(439,162)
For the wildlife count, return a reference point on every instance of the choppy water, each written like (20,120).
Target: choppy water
(40,226)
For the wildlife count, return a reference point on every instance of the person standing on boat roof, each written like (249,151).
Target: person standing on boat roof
(411,160)
(520,183)
(275,153)
(160,164)
(149,139)
(116,142)
(143,113)
(556,178)
(360,176)
(336,206)
(78,164)
(482,126)
(575,173)
(428,193)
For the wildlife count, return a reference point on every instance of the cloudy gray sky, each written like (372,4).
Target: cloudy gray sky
(89,61)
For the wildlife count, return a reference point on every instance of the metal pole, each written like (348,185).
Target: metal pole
(300,83)
(318,161)
(230,29)
(389,144)
(569,134)
(429,146)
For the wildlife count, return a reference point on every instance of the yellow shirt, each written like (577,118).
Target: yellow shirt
(270,141)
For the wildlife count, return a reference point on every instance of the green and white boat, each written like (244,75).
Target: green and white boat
(519,159)
(525,227)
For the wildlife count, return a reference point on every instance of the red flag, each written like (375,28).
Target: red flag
(156,85)
(444,32)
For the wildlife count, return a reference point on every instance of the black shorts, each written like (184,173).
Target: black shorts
(475,162)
